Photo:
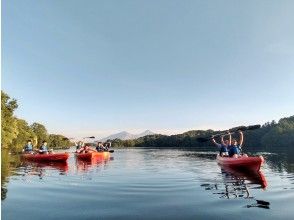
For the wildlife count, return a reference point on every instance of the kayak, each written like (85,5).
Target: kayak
(241,163)
(59,157)
(90,155)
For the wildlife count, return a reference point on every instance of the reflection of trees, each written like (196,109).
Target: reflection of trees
(8,163)
(281,162)
(11,162)
(235,185)
(40,169)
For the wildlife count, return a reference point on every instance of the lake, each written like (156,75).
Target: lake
(146,184)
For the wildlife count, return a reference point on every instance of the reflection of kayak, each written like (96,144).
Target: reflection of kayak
(90,155)
(59,157)
(241,163)
(252,176)
(61,166)
(84,165)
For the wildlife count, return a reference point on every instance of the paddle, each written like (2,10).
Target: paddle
(232,130)
(92,137)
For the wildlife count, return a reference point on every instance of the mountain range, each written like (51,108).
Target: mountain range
(127,136)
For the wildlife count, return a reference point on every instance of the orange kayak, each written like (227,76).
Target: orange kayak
(60,157)
(90,155)
(241,163)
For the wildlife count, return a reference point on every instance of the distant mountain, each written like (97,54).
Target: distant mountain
(127,136)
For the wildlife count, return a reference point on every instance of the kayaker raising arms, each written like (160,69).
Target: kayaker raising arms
(224,145)
(230,147)
(79,145)
(235,148)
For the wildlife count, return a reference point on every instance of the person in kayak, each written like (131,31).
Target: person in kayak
(85,149)
(28,148)
(235,148)
(224,145)
(107,146)
(43,149)
(79,145)
(99,147)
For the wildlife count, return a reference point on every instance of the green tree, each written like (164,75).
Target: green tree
(24,133)
(8,122)
(57,141)
(40,131)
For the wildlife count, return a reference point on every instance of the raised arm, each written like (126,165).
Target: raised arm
(241,138)
(230,138)
(217,144)
(222,140)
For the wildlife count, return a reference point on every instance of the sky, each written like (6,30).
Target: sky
(100,67)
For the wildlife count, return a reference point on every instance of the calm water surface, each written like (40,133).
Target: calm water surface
(146,184)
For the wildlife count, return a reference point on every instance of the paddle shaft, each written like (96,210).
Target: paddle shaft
(232,131)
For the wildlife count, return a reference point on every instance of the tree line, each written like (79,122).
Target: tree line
(15,132)
(272,136)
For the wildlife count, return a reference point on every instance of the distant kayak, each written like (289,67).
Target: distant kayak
(90,155)
(58,157)
(241,163)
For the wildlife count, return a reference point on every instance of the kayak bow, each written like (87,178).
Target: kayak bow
(241,163)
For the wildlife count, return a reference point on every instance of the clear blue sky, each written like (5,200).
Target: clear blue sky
(98,67)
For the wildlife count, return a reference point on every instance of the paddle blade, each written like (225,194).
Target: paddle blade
(201,139)
(111,151)
(262,202)
(239,128)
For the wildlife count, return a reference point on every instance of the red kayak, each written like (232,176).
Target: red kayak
(241,163)
(60,157)
(90,155)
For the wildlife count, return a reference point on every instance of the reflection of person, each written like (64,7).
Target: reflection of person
(223,147)
(28,148)
(235,147)
(43,149)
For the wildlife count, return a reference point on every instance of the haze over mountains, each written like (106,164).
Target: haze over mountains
(127,136)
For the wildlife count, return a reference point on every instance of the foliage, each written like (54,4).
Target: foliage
(271,136)
(15,132)
(24,134)
(41,132)
(56,141)
(8,122)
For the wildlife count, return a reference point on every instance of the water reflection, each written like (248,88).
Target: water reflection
(8,164)
(42,169)
(235,184)
(84,166)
